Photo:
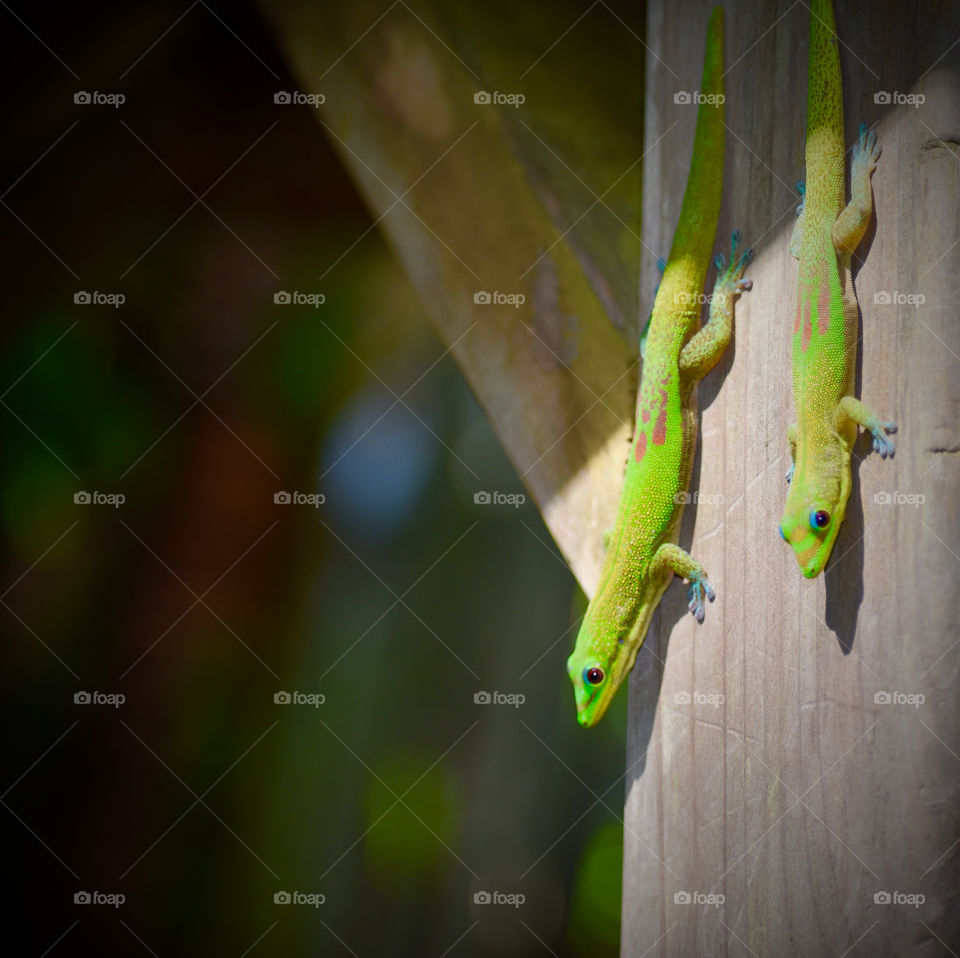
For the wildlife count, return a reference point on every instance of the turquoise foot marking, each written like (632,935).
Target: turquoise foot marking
(661,266)
(732,278)
(880,442)
(698,589)
(789,474)
(802,190)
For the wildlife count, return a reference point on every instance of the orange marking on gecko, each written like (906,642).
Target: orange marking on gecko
(796,322)
(823,308)
(659,436)
(641,446)
(807,325)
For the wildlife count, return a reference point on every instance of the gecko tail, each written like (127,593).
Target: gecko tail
(825,143)
(690,253)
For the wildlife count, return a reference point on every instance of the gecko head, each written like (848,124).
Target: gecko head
(811,522)
(596,676)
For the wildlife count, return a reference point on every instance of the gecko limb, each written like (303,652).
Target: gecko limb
(792,440)
(705,348)
(855,411)
(852,223)
(796,238)
(672,558)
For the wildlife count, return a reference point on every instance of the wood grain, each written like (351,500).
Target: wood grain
(497,198)
(763,764)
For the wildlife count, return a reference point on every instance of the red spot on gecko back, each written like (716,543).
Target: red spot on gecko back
(660,426)
(646,415)
(807,326)
(641,446)
(823,308)
(796,322)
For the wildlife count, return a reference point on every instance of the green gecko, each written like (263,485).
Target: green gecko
(642,552)
(825,329)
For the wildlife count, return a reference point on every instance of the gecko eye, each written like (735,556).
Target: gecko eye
(593,675)
(819,519)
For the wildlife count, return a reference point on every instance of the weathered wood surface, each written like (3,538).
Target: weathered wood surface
(541,201)
(763,762)
(762,765)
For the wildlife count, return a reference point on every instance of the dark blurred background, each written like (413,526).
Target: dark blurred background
(201,600)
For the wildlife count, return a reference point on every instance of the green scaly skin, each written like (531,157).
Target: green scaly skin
(642,554)
(825,328)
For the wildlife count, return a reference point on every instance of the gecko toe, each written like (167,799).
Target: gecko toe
(699,588)
(884,446)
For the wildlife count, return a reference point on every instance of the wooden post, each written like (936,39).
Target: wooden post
(798,754)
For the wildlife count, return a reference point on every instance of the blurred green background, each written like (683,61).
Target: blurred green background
(400,599)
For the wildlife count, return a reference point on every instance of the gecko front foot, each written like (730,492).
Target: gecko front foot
(881,444)
(699,587)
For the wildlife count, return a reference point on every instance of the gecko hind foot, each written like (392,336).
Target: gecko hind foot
(732,277)
(699,588)
(866,150)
